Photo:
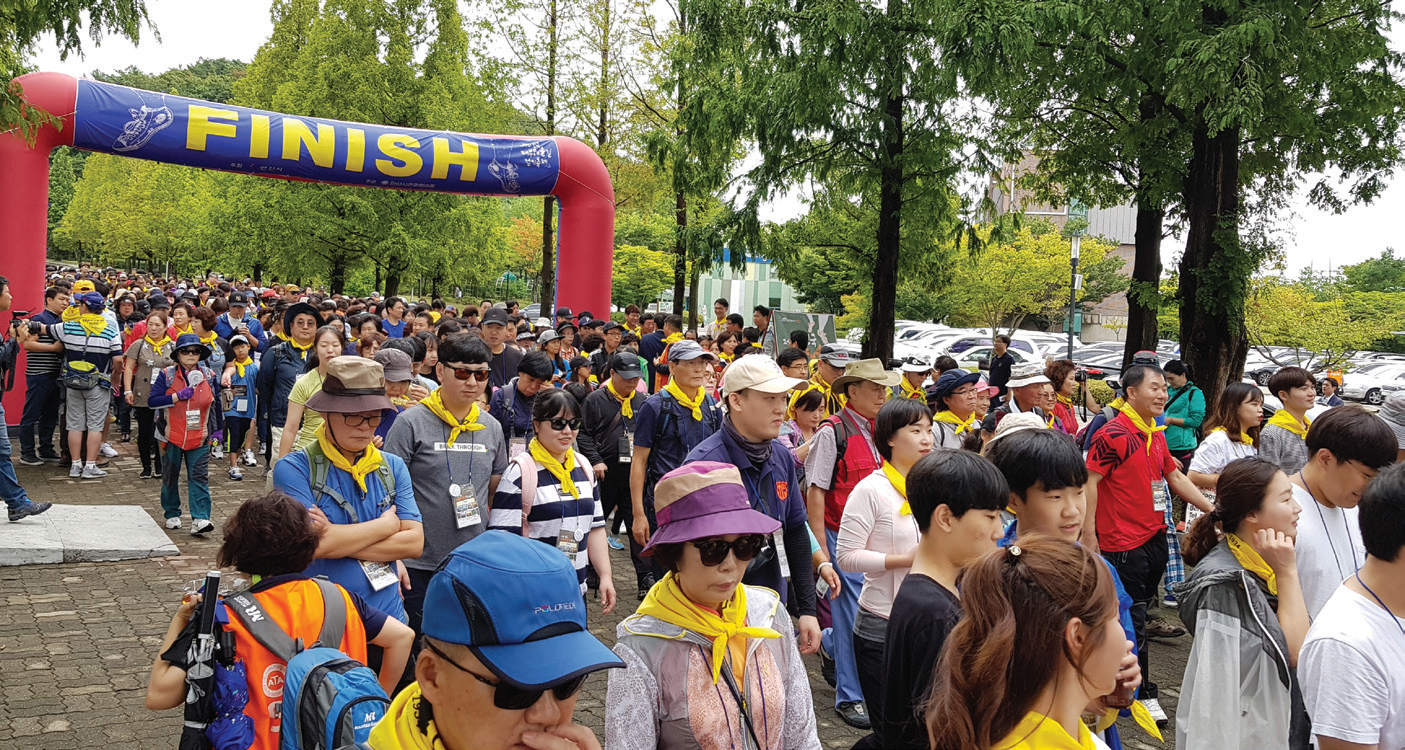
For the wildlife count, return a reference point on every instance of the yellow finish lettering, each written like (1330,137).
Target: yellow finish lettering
(297,134)
(467,159)
(355,149)
(258,140)
(199,125)
(397,147)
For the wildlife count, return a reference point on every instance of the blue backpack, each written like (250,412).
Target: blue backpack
(330,700)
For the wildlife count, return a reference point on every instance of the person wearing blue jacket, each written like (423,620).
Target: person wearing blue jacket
(239,322)
(281,365)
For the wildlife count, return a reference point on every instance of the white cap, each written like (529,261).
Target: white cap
(1030,373)
(758,373)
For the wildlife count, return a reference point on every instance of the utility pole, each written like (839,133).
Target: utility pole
(1074,284)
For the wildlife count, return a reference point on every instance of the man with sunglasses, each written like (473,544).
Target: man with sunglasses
(505,653)
(361,498)
(455,454)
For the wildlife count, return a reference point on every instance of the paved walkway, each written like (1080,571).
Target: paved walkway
(77,639)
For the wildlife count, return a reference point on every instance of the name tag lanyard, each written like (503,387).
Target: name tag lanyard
(449,452)
(465,499)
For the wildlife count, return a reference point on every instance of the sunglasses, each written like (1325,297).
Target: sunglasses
(714,551)
(509,698)
(560,424)
(463,373)
(196,352)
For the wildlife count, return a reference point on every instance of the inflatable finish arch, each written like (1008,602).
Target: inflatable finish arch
(107,118)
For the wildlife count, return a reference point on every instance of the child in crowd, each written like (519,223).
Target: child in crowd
(238,404)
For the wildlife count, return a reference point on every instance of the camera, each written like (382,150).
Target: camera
(1080,375)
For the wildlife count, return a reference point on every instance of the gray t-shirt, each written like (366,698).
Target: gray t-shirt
(420,438)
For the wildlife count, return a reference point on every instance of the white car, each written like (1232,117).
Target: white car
(1372,385)
(978,358)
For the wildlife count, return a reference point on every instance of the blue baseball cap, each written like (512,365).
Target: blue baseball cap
(516,604)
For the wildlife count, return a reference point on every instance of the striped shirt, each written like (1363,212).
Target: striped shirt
(554,512)
(98,349)
(1283,448)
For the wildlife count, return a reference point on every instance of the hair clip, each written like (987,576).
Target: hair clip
(1015,550)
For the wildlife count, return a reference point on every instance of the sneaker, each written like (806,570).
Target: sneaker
(614,543)
(249,459)
(173,523)
(145,473)
(855,714)
(107,450)
(201,526)
(263,447)
(235,474)
(31,461)
(1161,629)
(217,452)
(1158,714)
(30,508)
(91,471)
(1170,601)
(126,437)
(646,583)
(76,470)
(52,458)
(826,666)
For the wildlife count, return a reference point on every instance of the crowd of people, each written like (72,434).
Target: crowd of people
(974,561)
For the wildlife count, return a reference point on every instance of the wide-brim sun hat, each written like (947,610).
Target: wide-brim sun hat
(951,380)
(300,308)
(353,384)
(191,341)
(704,499)
(871,370)
(1030,373)
(1017,423)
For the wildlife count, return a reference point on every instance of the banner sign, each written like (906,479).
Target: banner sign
(124,121)
(820,326)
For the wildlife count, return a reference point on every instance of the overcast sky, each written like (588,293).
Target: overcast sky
(192,29)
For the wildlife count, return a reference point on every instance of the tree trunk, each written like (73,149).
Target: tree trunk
(1142,329)
(392,283)
(336,281)
(1212,284)
(878,339)
(257,274)
(378,277)
(680,252)
(693,284)
(548,275)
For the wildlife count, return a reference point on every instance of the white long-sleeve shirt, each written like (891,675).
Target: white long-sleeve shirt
(873,528)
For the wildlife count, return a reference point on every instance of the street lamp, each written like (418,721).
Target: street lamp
(1074,284)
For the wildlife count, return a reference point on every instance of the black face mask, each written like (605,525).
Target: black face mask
(757,453)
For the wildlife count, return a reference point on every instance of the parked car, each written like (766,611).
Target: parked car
(1373,384)
(978,358)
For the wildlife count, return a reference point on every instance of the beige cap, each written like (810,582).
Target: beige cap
(757,372)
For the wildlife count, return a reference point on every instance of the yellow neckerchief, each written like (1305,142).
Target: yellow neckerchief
(667,602)
(302,350)
(673,338)
(208,340)
(634,330)
(400,728)
(693,403)
(367,464)
(240,364)
(1245,439)
(559,470)
(1038,732)
(756,345)
(93,323)
(795,398)
(1118,403)
(1052,418)
(945,416)
(900,484)
(725,357)
(830,397)
(626,408)
(180,330)
(1252,561)
(157,344)
(1285,420)
(435,403)
(913,392)
(1148,430)
(1065,400)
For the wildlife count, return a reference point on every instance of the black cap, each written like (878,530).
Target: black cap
(586,314)
(159,302)
(495,316)
(627,365)
(611,326)
(563,312)
(591,322)
(238,299)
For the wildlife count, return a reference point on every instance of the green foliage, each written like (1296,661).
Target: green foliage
(1383,274)
(211,80)
(640,274)
(1321,333)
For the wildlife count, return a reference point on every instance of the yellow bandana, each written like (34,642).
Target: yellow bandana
(1285,420)
(913,392)
(725,357)
(208,340)
(626,407)
(833,402)
(1148,430)
(435,403)
(1252,561)
(179,330)
(795,398)
(1038,732)
(367,464)
(667,602)
(302,350)
(1065,400)
(559,470)
(165,341)
(673,338)
(240,364)
(947,417)
(693,403)
(93,323)
(1245,439)
(634,330)
(900,484)
(400,728)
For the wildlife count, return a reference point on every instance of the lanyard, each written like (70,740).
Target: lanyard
(1333,545)
(449,452)
(756,491)
(1378,601)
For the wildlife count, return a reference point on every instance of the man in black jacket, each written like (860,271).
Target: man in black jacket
(607,440)
(601,360)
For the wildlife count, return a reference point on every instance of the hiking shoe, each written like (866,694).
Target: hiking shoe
(91,471)
(1162,629)
(235,474)
(173,523)
(31,461)
(1158,714)
(249,459)
(30,508)
(855,714)
(201,526)
(76,470)
(646,583)
(614,543)
(107,450)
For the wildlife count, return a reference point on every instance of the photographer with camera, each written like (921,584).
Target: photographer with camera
(42,391)
(92,349)
(1068,379)
(10,490)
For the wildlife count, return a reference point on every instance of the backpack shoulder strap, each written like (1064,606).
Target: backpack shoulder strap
(320,467)
(245,607)
(528,483)
(667,410)
(333,614)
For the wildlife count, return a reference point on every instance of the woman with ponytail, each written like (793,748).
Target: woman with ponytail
(1039,642)
(1245,606)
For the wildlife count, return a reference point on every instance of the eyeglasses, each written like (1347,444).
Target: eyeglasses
(714,551)
(356,420)
(560,424)
(510,698)
(463,373)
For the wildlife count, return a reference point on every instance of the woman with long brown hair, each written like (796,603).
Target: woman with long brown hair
(1040,640)
(1245,606)
(1231,432)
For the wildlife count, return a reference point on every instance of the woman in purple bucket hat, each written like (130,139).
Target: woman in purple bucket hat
(712,663)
